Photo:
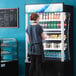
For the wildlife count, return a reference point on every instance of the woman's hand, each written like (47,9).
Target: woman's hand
(44,36)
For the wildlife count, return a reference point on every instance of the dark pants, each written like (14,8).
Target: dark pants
(35,66)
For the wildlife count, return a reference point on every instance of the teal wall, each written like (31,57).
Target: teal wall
(18,33)
(68,2)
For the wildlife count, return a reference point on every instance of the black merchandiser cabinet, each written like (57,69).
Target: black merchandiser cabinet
(55,67)
(8,57)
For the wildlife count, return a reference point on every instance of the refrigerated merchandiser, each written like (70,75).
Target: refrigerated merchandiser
(57,23)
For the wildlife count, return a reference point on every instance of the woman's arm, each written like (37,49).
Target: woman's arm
(43,36)
(27,38)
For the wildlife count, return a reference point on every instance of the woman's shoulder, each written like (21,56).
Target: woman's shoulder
(28,27)
(34,26)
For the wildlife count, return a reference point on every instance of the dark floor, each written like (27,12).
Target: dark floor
(54,69)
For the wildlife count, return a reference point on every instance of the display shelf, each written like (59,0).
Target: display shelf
(50,41)
(8,53)
(54,39)
(55,30)
(51,29)
(53,49)
(49,20)
(5,52)
(2,61)
(8,46)
(52,57)
(9,49)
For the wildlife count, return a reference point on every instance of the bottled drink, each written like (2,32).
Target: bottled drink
(42,25)
(58,24)
(50,45)
(46,16)
(41,16)
(51,24)
(46,25)
(50,16)
(65,24)
(55,26)
(54,15)
(46,45)
(65,16)
(58,15)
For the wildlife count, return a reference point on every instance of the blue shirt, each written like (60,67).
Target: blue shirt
(34,33)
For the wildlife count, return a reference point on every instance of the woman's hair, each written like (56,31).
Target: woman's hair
(34,16)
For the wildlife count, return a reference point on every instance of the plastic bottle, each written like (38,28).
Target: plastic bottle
(49,25)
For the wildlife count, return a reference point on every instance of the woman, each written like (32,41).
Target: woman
(35,36)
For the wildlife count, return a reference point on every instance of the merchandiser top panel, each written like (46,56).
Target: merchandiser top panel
(54,7)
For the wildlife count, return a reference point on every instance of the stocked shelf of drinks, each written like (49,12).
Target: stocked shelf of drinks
(51,16)
(52,20)
(52,24)
(53,46)
(56,37)
(53,55)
